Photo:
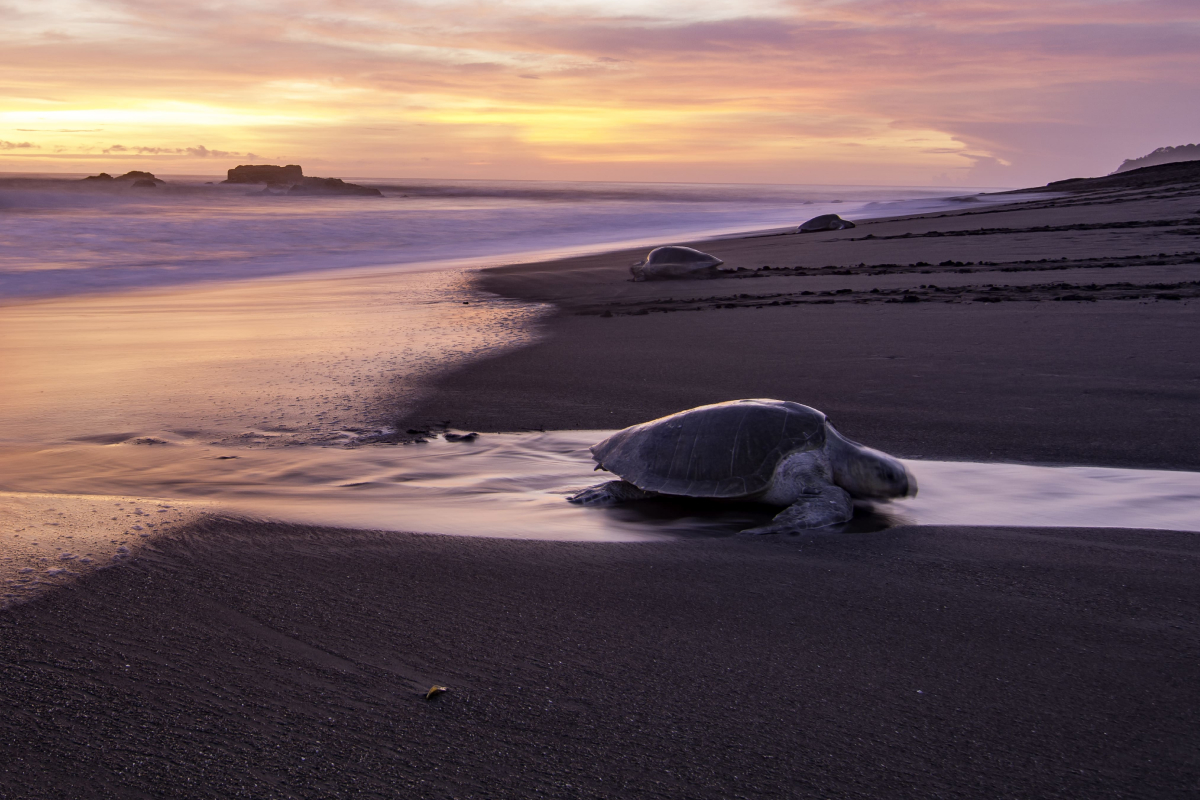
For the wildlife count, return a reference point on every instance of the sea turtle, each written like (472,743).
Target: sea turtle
(770,451)
(825,222)
(673,261)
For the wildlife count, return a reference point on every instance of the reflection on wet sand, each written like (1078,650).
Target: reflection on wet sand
(47,540)
(301,359)
(515,485)
(121,389)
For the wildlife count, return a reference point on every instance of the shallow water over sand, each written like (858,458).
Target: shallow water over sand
(300,359)
(516,485)
(93,383)
(48,540)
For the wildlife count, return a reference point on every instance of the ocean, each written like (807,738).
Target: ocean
(61,237)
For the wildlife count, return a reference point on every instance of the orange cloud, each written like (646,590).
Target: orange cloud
(868,91)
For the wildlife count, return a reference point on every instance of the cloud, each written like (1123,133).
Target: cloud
(18,145)
(199,151)
(872,90)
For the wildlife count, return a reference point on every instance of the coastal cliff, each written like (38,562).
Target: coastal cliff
(1163,155)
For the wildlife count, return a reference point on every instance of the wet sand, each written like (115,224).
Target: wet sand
(297,359)
(262,661)
(50,540)
(1072,371)
(252,659)
(510,485)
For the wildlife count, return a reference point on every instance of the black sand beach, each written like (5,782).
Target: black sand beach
(249,659)
(261,661)
(1020,350)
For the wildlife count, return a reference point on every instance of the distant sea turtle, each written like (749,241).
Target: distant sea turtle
(770,451)
(825,222)
(674,261)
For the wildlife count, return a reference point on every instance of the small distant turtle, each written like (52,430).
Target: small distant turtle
(825,222)
(674,261)
(770,451)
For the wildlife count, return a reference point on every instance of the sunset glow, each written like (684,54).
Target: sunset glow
(845,91)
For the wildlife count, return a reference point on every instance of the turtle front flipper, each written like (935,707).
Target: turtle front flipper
(832,506)
(609,494)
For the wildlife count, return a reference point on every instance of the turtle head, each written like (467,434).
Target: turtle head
(866,473)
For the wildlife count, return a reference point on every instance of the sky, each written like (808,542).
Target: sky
(879,92)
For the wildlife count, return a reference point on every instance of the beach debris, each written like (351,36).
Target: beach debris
(825,222)
(774,452)
(461,437)
(436,690)
(675,262)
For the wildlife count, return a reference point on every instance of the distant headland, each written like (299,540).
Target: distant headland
(1163,155)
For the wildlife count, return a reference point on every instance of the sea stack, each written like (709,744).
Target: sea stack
(265,173)
(293,178)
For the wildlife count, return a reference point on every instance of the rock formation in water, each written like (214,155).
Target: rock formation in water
(265,173)
(1163,155)
(138,175)
(336,186)
(135,175)
(293,179)
(825,222)
(144,183)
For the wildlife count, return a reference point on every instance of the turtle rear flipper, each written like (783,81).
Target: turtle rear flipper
(609,494)
(831,506)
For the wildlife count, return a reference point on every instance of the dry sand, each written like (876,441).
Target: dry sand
(236,659)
